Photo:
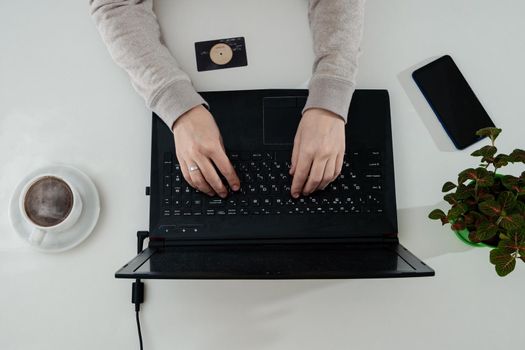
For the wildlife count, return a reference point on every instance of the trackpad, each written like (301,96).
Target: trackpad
(281,117)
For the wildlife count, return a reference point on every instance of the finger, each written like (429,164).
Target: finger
(315,177)
(295,154)
(301,174)
(338,165)
(185,172)
(328,175)
(212,178)
(199,181)
(226,168)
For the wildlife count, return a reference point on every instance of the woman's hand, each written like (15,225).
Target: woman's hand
(199,146)
(318,151)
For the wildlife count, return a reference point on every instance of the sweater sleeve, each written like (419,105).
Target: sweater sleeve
(130,30)
(337,27)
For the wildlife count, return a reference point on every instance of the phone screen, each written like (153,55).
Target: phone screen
(455,104)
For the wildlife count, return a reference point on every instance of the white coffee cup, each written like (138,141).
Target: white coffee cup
(39,232)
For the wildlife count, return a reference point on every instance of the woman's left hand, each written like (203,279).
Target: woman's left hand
(318,151)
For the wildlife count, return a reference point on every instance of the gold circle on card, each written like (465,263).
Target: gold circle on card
(221,54)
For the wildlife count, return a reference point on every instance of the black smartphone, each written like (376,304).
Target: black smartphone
(452,99)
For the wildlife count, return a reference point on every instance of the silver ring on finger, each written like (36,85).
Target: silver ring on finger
(193,168)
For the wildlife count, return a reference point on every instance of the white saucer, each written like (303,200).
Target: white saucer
(60,241)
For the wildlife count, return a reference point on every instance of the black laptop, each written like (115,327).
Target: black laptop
(349,230)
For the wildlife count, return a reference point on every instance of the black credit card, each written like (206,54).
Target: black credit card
(220,54)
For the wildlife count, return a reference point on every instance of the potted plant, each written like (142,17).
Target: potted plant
(487,208)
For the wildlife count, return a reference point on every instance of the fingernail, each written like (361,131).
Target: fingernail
(235,187)
(223,195)
(295,194)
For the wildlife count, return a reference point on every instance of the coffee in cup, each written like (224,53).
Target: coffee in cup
(49,204)
(48,201)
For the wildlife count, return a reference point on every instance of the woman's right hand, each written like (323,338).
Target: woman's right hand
(199,146)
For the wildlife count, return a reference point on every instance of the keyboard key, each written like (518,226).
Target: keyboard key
(168,157)
(216,203)
(167,168)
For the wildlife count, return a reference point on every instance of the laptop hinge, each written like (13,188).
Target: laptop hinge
(159,242)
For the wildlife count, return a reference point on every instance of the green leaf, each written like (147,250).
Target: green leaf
(478,218)
(484,177)
(490,208)
(514,184)
(520,207)
(489,132)
(504,261)
(469,219)
(448,186)
(518,155)
(485,151)
(512,222)
(472,203)
(450,198)
(463,192)
(484,196)
(507,200)
(501,160)
(467,174)
(515,243)
(506,267)
(455,212)
(436,214)
(487,230)
(510,182)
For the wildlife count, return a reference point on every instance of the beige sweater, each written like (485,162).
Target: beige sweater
(132,34)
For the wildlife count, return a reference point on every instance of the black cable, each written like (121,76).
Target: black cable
(138,328)
(137,298)
(137,288)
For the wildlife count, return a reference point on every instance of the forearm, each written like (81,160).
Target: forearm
(131,32)
(337,27)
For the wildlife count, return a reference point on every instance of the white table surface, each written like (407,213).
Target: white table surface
(63,100)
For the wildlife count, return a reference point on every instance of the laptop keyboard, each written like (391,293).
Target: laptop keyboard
(265,188)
